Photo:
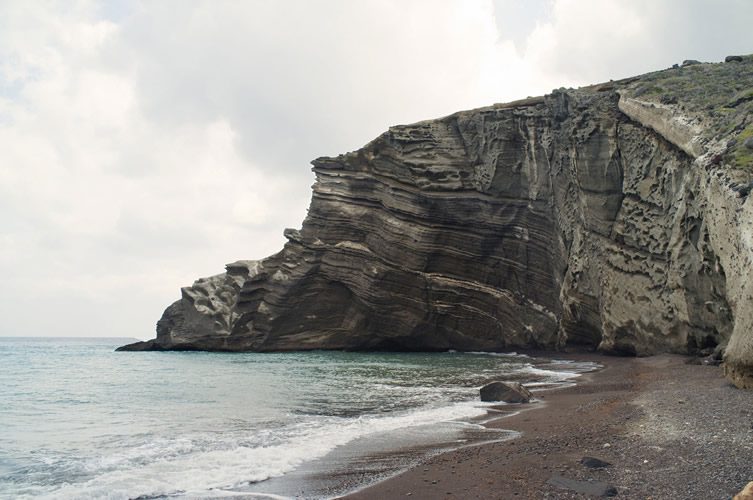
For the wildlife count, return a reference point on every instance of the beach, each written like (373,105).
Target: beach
(77,424)
(667,429)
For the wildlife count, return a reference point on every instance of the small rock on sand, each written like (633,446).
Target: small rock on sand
(594,463)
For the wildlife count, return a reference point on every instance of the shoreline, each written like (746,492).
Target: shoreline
(667,429)
(378,457)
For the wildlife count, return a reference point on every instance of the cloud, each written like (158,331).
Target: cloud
(147,144)
(305,77)
(588,41)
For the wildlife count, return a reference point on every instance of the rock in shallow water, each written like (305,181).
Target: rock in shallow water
(512,392)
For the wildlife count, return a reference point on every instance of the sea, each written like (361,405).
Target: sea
(81,421)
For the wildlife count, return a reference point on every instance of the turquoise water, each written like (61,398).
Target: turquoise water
(78,420)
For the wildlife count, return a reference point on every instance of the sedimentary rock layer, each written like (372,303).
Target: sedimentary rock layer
(614,217)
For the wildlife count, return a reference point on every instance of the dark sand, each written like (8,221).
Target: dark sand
(669,429)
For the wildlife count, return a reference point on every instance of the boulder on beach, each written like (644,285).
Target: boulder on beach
(512,392)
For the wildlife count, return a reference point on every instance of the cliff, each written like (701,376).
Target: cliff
(614,217)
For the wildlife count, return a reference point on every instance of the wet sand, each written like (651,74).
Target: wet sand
(669,430)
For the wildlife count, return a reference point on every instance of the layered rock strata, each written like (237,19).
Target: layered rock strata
(614,217)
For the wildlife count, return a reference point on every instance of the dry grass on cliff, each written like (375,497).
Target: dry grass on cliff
(719,96)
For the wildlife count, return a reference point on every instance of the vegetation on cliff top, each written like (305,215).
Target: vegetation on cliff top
(717,96)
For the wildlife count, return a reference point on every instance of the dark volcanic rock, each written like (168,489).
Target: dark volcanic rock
(595,219)
(149,345)
(594,463)
(710,361)
(512,392)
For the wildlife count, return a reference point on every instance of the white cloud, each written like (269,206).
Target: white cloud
(147,144)
(588,41)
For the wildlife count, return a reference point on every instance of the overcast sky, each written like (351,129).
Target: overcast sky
(146,144)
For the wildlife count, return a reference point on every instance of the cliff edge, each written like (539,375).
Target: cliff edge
(613,217)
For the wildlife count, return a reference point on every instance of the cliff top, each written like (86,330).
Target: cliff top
(717,98)
(703,108)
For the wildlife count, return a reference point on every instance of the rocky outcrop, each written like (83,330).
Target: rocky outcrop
(614,217)
(664,119)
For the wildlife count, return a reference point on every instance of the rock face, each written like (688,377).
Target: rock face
(614,217)
(509,393)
